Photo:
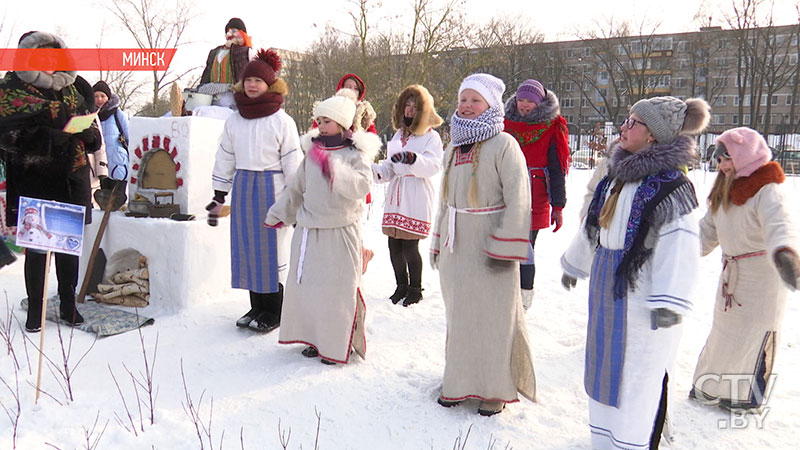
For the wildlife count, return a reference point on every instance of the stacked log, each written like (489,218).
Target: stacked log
(127,288)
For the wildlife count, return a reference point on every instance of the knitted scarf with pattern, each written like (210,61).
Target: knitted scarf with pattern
(469,131)
(664,194)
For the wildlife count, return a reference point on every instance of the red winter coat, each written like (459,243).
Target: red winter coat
(545,145)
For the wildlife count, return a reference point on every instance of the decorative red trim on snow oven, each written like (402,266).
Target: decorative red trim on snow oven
(171,159)
(153,143)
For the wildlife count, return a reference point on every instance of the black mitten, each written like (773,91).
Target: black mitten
(568,281)
(89,136)
(788,266)
(404,157)
(663,318)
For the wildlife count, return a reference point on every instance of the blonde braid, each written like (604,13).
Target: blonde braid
(607,212)
(472,194)
(446,173)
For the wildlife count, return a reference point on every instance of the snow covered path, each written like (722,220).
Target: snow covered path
(387,401)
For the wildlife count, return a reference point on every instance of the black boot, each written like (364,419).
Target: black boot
(399,293)
(414,296)
(69,313)
(33,323)
(6,256)
(34,283)
(67,274)
(255,310)
(270,318)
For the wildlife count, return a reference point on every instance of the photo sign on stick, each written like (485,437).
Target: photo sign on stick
(50,226)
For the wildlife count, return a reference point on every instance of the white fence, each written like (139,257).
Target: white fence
(786,148)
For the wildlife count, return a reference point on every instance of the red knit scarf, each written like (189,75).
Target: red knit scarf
(262,106)
(746,187)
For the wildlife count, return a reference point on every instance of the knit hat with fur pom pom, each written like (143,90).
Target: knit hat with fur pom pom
(747,148)
(667,117)
(266,65)
(341,108)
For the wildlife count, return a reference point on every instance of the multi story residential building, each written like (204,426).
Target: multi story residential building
(750,77)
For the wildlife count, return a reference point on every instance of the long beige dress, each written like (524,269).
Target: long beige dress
(737,360)
(323,306)
(487,348)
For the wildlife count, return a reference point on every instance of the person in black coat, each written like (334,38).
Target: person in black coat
(45,162)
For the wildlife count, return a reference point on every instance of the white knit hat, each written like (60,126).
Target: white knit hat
(340,108)
(490,87)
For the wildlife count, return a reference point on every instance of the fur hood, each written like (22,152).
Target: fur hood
(57,81)
(549,109)
(627,167)
(362,91)
(426,117)
(368,144)
(365,115)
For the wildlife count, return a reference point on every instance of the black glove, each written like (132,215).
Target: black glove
(219,196)
(788,266)
(106,183)
(89,136)
(499,264)
(663,318)
(404,157)
(568,281)
(59,138)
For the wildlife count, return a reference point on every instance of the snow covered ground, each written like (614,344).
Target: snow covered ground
(387,401)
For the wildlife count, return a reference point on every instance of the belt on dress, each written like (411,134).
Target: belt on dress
(731,277)
(451,220)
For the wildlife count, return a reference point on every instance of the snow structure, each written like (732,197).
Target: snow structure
(191,143)
(184,259)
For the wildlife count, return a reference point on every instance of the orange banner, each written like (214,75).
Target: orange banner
(128,59)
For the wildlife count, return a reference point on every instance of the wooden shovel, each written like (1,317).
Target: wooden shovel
(89,265)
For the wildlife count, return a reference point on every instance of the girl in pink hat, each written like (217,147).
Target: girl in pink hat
(748,218)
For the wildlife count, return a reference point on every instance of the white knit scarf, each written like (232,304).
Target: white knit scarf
(468,131)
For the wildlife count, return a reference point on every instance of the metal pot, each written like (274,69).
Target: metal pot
(195,99)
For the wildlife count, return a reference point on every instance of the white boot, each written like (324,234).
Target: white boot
(527,298)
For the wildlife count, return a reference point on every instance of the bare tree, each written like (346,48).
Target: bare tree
(387,60)
(312,76)
(126,84)
(6,29)
(795,78)
(509,41)
(154,25)
(763,64)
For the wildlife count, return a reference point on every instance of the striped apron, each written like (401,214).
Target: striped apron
(254,248)
(605,337)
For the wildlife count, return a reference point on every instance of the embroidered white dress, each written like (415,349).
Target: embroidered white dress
(410,194)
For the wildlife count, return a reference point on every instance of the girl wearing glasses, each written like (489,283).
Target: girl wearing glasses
(749,219)
(639,247)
